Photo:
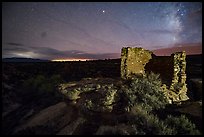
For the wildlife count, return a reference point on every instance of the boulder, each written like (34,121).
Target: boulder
(55,117)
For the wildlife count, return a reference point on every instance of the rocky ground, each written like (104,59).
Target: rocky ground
(68,116)
(65,119)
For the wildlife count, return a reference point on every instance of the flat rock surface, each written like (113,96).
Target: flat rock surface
(58,115)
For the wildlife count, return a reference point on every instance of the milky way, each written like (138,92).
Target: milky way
(96,30)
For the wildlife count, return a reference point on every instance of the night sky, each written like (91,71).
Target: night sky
(97,30)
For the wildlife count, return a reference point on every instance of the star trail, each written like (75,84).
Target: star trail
(96,30)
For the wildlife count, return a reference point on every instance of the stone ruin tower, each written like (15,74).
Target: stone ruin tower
(178,83)
(135,60)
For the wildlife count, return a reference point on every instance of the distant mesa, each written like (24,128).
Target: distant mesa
(15,59)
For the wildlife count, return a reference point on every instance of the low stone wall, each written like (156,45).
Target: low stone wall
(171,69)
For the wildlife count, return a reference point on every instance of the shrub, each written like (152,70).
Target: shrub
(146,91)
(139,95)
(182,125)
(147,122)
(142,122)
(40,85)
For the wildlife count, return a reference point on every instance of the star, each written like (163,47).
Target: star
(174,38)
(32,9)
(103,11)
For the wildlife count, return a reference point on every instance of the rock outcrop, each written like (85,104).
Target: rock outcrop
(94,95)
(48,120)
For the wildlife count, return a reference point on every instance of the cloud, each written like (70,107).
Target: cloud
(189,48)
(43,34)
(14,44)
(195,13)
(9,47)
(50,53)
(160,31)
(56,54)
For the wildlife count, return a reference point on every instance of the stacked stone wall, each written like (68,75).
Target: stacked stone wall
(133,61)
(172,69)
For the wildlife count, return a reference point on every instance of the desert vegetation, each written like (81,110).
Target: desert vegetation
(66,100)
(135,100)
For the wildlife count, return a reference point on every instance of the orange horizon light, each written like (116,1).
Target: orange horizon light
(61,60)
